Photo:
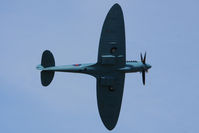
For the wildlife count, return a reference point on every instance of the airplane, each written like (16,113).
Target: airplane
(109,70)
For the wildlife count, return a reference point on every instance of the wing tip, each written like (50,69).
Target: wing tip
(110,125)
(116,5)
(116,8)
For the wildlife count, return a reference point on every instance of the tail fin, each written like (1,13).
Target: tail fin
(47,61)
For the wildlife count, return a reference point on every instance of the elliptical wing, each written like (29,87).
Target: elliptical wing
(112,50)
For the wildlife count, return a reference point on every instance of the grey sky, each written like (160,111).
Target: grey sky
(167,30)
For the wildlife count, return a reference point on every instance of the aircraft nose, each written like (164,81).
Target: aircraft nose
(149,66)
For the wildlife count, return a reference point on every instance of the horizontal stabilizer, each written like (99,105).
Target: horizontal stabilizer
(46,61)
(46,77)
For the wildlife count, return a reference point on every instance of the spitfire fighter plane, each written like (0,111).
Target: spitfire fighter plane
(109,70)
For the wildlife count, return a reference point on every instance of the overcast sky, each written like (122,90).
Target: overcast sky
(167,30)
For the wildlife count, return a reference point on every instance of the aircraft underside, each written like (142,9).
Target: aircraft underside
(109,70)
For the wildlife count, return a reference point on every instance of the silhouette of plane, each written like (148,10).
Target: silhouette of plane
(109,70)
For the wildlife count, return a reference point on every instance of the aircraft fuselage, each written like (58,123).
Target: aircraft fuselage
(95,69)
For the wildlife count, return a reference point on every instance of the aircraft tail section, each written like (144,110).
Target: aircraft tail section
(46,61)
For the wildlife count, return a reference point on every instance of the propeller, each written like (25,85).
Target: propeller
(144,62)
(143,59)
(143,77)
